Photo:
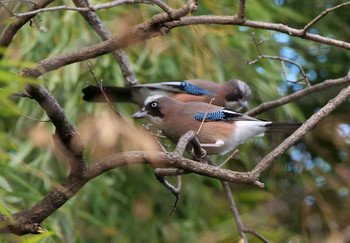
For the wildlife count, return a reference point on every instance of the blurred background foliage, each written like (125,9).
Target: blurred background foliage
(307,190)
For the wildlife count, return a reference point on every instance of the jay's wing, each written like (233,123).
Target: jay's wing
(177,87)
(223,115)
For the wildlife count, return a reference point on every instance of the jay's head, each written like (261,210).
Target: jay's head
(238,94)
(154,108)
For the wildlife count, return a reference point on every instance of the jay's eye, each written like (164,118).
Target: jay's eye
(236,91)
(154,104)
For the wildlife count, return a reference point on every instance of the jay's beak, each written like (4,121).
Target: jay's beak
(140,114)
(244,104)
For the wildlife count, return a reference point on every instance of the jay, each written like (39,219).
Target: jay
(233,94)
(222,130)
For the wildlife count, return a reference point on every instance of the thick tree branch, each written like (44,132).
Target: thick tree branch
(300,132)
(190,136)
(69,137)
(241,9)
(105,34)
(159,25)
(299,95)
(29,218)
(169,172)
(149,29)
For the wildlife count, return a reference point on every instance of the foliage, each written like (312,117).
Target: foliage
(306,198)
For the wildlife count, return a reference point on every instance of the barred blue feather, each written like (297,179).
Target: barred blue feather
(221,115)
(192,89)
(214,116)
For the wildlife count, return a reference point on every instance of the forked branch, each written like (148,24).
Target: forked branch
(299,95)
(282,59)
(267,161)
(324,13)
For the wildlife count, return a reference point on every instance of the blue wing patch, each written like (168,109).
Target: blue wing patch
(222,115)
(192,89)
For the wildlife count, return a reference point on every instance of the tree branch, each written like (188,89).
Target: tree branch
(282,59)
(233,208)
(232,20)
(13,28)
(190,136)
(324,13)
(298,95)
(174,190)
(105,34)
(69,137)
(25,1)
(27,219)
(97,7)
(149,29)
(241,9)
(232,205)
(158,25)
(267,161)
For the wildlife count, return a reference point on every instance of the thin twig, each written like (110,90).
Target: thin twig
(174,190)
(324,13)
(32,118)
(159,173)
(286,75)
(205,116)
(229,157)
(97,7)
(233,208)
(47,85)
(22,94)
(156,136)
(21,114)
(25,1)
(9,10)
(256,234)
(104,94)
(282,59)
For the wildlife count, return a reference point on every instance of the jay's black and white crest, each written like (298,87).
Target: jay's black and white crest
(233,94)
(222,130)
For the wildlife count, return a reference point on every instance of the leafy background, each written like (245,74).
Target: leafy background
(307,190)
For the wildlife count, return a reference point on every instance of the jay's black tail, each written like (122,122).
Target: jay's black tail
(115,94)
(283,126)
